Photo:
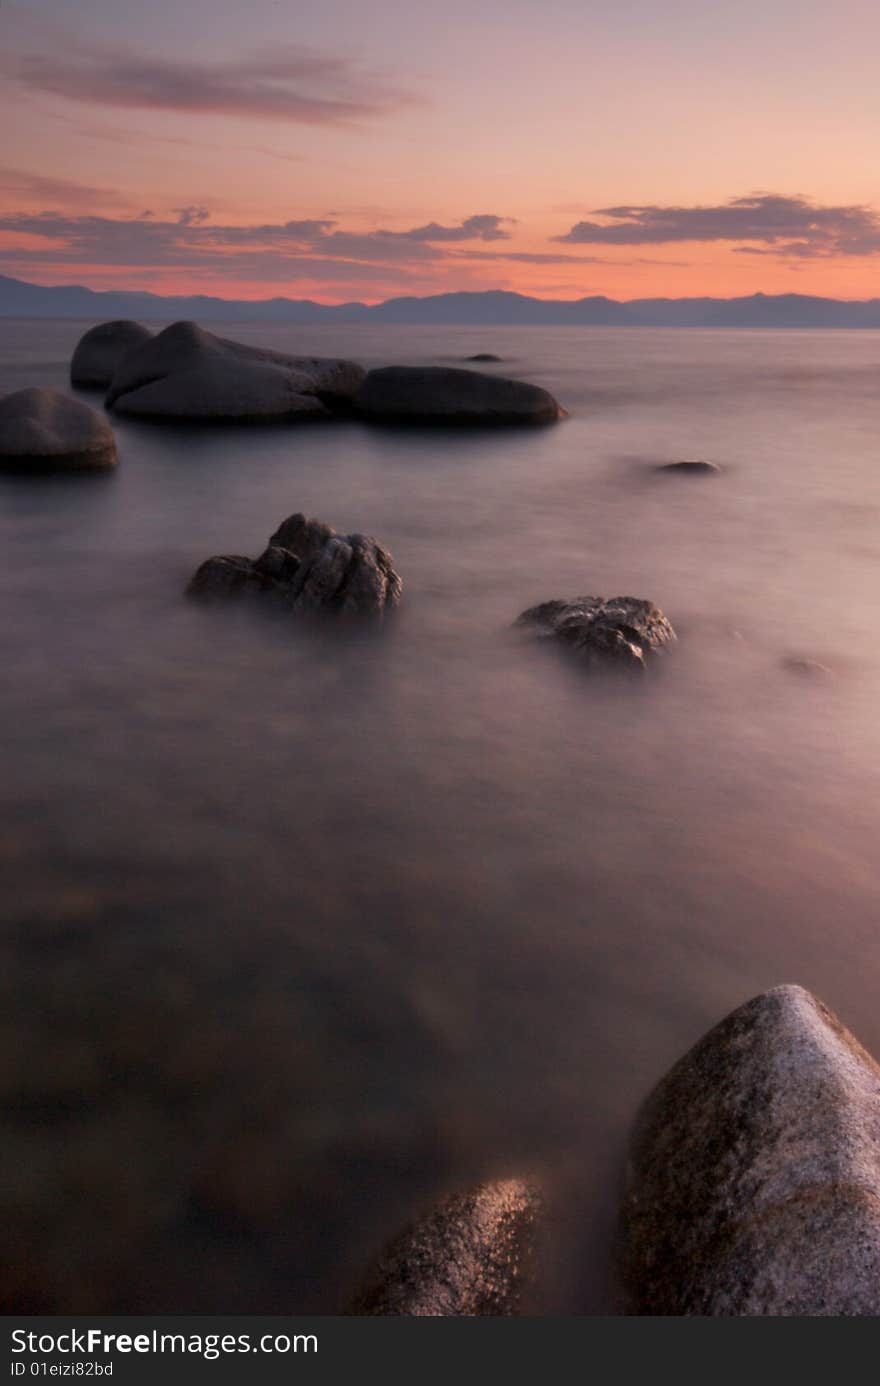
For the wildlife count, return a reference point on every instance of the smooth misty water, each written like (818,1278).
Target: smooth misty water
(306,928)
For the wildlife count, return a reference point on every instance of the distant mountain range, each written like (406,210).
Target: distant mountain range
(494,307)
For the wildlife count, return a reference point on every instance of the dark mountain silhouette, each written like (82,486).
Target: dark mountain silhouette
(494,307)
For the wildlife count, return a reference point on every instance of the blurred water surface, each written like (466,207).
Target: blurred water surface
(302,929)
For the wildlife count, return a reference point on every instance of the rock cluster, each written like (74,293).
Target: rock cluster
(185,372)
(43,430)
(622,631)
(307,567)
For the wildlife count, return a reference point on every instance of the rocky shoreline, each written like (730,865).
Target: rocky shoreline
(752,1188)
(753,1174)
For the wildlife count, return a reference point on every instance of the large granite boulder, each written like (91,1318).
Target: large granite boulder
(188,373)
(307,567)
(447,395)
(754,1173)
(622,631)
(43,430)
(99,351)
(468,1257)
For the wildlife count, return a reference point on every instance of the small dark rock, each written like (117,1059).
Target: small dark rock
(307,567)
(690,468)
(484,356)
(625,631)
(808,668)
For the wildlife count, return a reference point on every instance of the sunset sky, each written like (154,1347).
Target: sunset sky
(351,150)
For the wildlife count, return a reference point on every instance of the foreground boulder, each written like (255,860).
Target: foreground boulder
(307,567)
(754,1178)
(43,430)
(447,395)
(623,631)
(468,1257)
(100,350)
(188,373)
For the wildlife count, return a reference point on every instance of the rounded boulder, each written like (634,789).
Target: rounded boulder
(99,352)
(447,395)
(43,430)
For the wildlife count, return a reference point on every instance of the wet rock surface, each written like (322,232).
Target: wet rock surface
(43,430)
(99,352)
(307,567)
(469,1257)
(188,373)
(754,1173)
(627,632)
(446,395)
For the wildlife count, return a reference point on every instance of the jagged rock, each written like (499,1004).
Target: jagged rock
(615,630)
(446,395)
(100,350)
(690,468)
(468,1257)
(307,567)
(754,1173)
(187,373)
(44,430)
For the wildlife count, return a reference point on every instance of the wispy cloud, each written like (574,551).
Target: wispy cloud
(787,227)
(285,83)
(18,184)
(263,250)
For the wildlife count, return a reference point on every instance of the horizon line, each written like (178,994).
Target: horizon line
(441,293)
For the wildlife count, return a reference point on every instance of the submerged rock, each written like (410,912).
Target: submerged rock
(447,395)
(754,1175)
(100,350)
(800,664)
(614,630)
(188,373)
(307,567)
(484,356)
(468,1257)
(690,468)
(44,430)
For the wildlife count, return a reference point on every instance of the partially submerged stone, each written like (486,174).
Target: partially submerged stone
(99,352)
(754,1172)
(698,468)
(447,395)
(623,631)
(307,567)
(468,1257)
(803,665)
(188,373)
(43,430)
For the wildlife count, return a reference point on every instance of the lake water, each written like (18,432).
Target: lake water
(303,929)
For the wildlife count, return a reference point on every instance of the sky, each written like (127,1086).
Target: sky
(349,150)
